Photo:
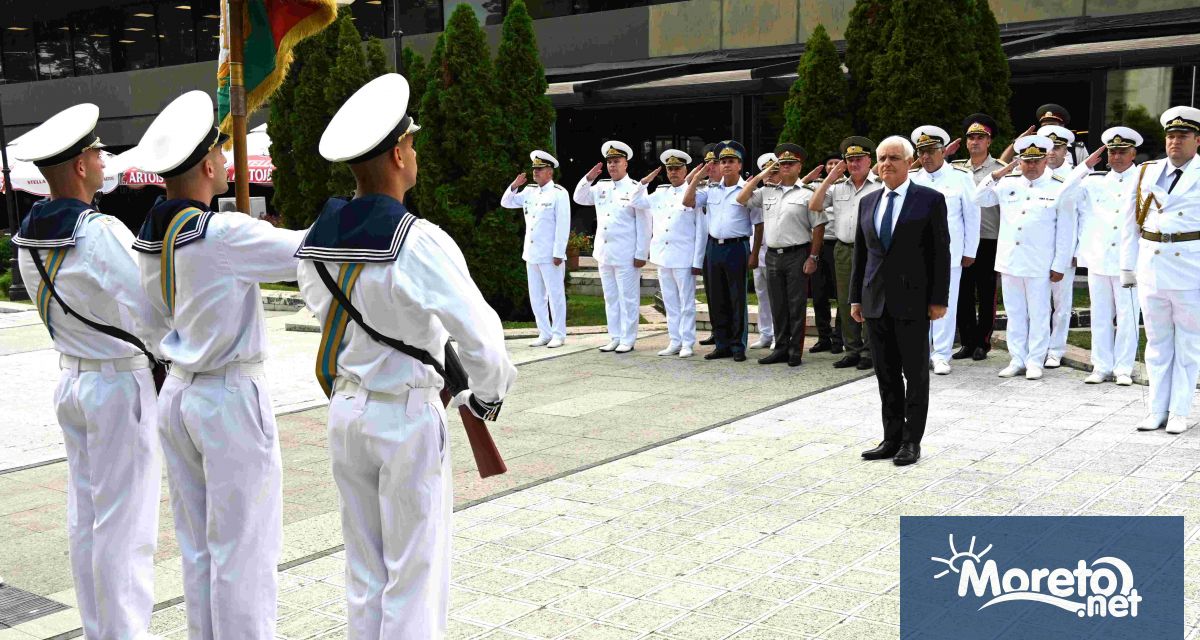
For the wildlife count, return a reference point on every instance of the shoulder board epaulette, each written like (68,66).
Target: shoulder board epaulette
(961,168)
(604,180)
(960,162)
(846,179)
(1149,162)
(559,187)
(1057,177)
(808,186)
(914,170)
(1098,173)
(1015,174)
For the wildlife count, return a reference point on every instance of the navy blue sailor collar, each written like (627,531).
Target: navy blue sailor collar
(371,228)
(154,229)
(52,224)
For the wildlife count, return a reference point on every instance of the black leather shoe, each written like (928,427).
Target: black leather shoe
(739,356)
(823,344)
(908,454)
(836,348)
(775,357)
(980,354)
(717,354)
(709,341)
(847,361)
(962,354)
(794,361)
(865,364)
(884,451)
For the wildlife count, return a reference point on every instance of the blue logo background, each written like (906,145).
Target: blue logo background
(932,609)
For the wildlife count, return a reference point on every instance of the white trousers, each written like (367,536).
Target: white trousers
(766,322)
(1027,303)
(941,332)
(1113,352)
(1172,318)
(548,298)
(391,462)
(222,453)
(679,297)
(1061,299)
(622,295)
(114,473)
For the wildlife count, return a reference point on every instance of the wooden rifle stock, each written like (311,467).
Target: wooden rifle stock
(487,456)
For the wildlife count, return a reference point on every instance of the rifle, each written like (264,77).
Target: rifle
(487,456)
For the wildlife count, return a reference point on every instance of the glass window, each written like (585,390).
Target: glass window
(208,28)
(488,11)
(93,39)
(18,44)
(176,32)
(1136,98)
(416,16)
(54,49)
(549,8)
(137,39)
(370,19)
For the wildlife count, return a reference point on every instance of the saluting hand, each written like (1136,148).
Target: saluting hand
(1094,159)
(653,174)
(1000,173)
(519,181)
(766,171)
(814,174)
(595,172)
(952,147)
(839,170)
(1030,131)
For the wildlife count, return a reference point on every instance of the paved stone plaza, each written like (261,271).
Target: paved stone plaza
(663,498)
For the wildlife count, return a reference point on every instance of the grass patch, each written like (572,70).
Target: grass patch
(751,298)
(582,311)
(279,286)
(1082,338)
(1079,298)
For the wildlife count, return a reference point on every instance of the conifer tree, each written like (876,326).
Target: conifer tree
(417,76)
(928,74)
(286,197)
(867,35)
(521,88)
(815,112)
(347,73)
(460,183)
(377,60)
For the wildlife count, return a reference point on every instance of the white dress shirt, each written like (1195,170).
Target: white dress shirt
(1100,211)
(1037,226)
(962,214)
(622,219)
(1164,265)
(897,204)
(547,220)
(680,233)
(726,218)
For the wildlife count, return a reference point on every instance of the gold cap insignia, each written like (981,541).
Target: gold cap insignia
(710,156)
(614,152)
(675,161)
(1051,114)
(978,128)
(729,152)
(1033,152)
(538,163)
(788,156)
(855,150)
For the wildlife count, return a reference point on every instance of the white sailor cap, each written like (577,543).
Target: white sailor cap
(765,158)
(180,136)
(64,136)
(615,149)
(540,159)
(372,121)
(1120,137)
(1181,119)
(1033,147)
(1060,136)
(928,136)
(674,158)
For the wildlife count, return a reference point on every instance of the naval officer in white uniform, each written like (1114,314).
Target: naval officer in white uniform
(766,322)
(1100,206)
(677,247)
(201,270)
(387,427)
(105,400)
(1061,292)
(1034,249)
(622,244)
(962,219)
(547,225)
(1160,253)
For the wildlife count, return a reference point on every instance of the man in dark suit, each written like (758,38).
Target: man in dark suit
(900,282)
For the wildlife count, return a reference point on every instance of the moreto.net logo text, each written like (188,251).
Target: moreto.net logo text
(1103,587)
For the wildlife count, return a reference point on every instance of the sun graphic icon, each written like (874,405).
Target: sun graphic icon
(958,557)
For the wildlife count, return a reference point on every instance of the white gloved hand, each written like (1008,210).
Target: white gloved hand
(460,399)
(1128,279)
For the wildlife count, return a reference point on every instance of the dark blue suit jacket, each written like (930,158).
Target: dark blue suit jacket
(914,272)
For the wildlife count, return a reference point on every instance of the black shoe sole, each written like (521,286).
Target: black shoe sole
(904,462)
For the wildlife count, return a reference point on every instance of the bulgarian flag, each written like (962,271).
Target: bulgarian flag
(271,29)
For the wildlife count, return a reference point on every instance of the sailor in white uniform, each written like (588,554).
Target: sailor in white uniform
(1100,206)
(201,270)
(677,247)
(105,399)
(547,225)
(1061,292)
(622,244)
(1034,248)
(408,281)
(766,322)
(1160,253)
(962,220)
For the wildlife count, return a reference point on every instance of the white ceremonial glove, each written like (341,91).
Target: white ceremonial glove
(1128,279)
(460,399)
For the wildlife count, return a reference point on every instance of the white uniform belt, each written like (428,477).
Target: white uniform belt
(244,369)
(418,395)
(133,363)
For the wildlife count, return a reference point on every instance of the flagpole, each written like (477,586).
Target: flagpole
(237,105)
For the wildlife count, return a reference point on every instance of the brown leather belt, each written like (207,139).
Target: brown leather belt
(1171,237)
